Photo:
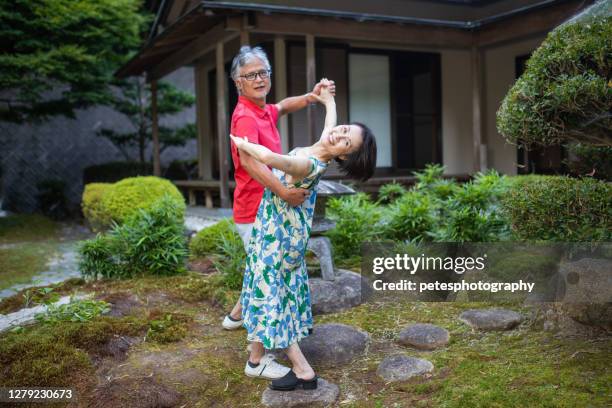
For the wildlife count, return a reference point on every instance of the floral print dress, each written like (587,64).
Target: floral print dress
(275,296)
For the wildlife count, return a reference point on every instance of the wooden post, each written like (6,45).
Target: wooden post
(280,88)
(222,128)
(204,140)
(244,33)
(310,83)
(155,130)
(478,148)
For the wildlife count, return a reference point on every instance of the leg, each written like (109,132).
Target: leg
(257,352)
(244,230)
(301,367)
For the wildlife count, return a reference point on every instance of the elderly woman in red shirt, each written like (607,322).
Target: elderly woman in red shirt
(255,119)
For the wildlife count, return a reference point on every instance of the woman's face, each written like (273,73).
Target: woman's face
(343,140)
(257,89)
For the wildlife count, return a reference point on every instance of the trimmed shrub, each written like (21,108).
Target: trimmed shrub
(150,242)
(127,196)
(114,171)
(91,205)
(207,240)
(564,94)
(559,208)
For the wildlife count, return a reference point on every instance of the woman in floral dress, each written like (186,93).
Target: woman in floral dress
(275,298)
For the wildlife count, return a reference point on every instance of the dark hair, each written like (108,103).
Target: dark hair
(360,164)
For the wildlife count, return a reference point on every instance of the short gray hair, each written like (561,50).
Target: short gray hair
(245,56)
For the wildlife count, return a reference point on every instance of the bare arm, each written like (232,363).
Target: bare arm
(262,174)
(326,97)
(294,165)
(295,103)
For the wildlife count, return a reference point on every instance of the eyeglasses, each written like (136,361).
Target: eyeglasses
(265,74)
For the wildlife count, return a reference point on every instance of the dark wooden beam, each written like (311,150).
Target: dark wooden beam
(222,128)
(324,27)
(192,51)
(310,82)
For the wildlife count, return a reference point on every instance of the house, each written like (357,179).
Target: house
(426,76)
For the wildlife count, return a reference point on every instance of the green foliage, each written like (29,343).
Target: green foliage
(356,217)
(104,204)
(112,172)
(77,310)
(557,208)
(591,160)
(390,192)
(410,217)
(231,259)
(565,92)
(149,242)
(134,101)
(472,213)
(430,175)
(70,47)
(207,240)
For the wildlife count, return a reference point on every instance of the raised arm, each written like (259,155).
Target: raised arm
(294,165)
(326,97)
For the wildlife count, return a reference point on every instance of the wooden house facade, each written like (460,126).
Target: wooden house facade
(426,76)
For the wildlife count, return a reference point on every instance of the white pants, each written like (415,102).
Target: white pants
(244,230)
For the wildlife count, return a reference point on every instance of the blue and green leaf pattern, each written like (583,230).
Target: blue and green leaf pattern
(275,286)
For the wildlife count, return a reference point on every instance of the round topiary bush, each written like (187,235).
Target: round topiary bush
(565,93)
(207,240)
(130,194)
(104,203)
(91,205)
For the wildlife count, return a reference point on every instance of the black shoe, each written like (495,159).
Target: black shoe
(290,382)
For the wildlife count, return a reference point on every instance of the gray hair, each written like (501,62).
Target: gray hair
(246,56)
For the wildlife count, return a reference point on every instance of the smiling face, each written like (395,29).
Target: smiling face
(343,140)
(257,89)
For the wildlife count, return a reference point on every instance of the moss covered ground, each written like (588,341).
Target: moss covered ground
(181,344)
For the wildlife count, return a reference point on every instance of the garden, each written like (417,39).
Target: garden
(125,307)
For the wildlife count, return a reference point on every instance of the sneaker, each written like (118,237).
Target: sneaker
(229,323)
(267,368)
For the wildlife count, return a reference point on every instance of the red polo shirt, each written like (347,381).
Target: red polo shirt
(259,125)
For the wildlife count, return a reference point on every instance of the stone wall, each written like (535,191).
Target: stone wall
(61,148)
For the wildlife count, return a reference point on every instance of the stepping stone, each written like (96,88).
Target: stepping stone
(332,344)
(401,367)
(325,395)
(424,336)
(491,319)
(344,292)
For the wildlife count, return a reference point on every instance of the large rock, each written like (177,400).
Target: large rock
(325,395)
(491,319)
(332,344)
(424,336)
(401,367)
(344,292)
(585,288)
